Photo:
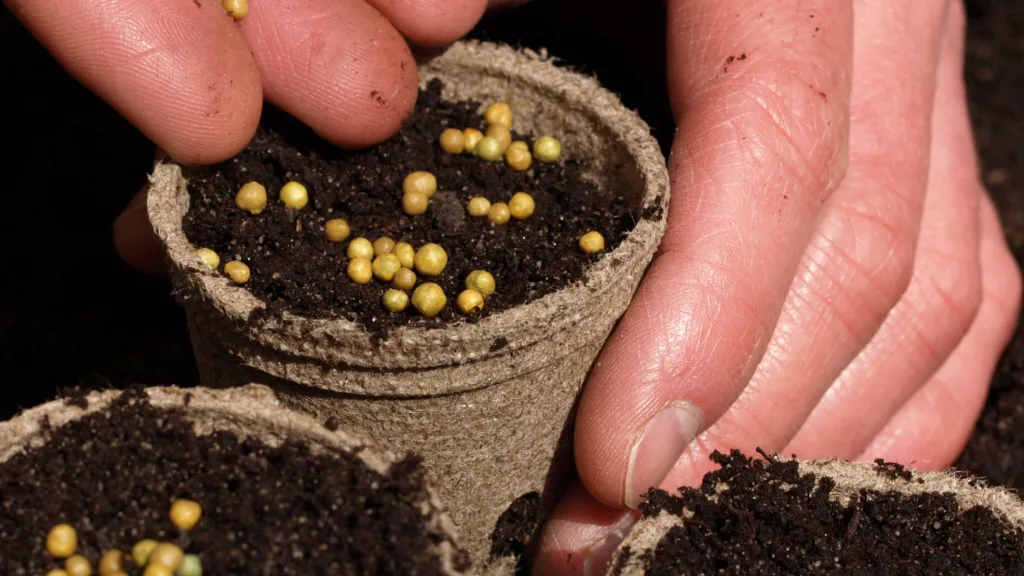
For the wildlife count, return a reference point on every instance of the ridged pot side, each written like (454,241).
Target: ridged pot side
(485,404)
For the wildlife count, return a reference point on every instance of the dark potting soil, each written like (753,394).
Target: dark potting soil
(113,474)
(773,521)
(295,268)
(515,529)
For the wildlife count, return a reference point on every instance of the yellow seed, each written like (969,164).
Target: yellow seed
(521,206)
(191,565)
(111,563)
(518,159)
(142,550)
(405,279)
(470,302)
(237,8)
(499,114)
(473,137)
(415,203)
(360,270)
(166,554)
(383,245)
(482,281)
(406,254)
(385,266)
(395,300)
(62,541)
(430,260)
(518,144)
(185,514)
(209,257)
(547,149)
(252,198)
(359,248)
(420,182)
(453,141)
(157,570)
(57,572)
(237,271)
(501,134)
(489,149)
(78,565)
(429,299)
(294,195)
(337,230)
(499,213)
(478,206)
(592,242)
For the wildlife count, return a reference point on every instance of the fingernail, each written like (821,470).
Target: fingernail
(660,445)
(598,555)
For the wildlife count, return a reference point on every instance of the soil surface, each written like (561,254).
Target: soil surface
(771,520)
(113,474)
(295,268)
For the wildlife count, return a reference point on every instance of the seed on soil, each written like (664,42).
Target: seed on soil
(185,514)
(191,565)
(237,271)
(142,550)
(470,302)
(395,300)
(421,182)
(547,149)
(167,555)
(406,254)
(383,245)
(111,563)
(518,158)
(518,144)
(478,206)
(592,242)
(157,570)
(499,114)
(209,258)
(453,141)
(252,197)
(431,259)
(414,203)
(236,8)
(78,565)
(521,206)
(499,213)
(489,149)
(405,279)
(385,266)
(482,281)
(57,572)
(501,134)
(360,270)
(359,248)
(62,541)
(429,299)
(472,137)
(337,230)
(294,195)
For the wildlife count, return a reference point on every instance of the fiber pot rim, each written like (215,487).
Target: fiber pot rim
(412,347)
(250,410)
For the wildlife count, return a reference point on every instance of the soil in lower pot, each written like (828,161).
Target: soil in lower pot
(755,516)
(113,475)
(295,268)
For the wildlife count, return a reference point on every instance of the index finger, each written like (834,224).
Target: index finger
(761,94)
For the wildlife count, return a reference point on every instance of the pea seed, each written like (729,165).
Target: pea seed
(430,260)
(252,198)
(429,299)
(406,254)
(501,134)
(592,242)
(470,302)
(294,195)
(521,206)
(482,281)
(499,114)
(185,514)
(547,149)
(360,270)
(111,563)
(489,149)
(472,138)
(237,271)
(62,541)
(395,300)
(337,230)
(78,565)
(420,182)
(167,555)
(415,203)
(191,565)
(142,550)
(209,258)
(359,248)
(453,141)
(478,206)
(405,279)
(236,8)
(384,267)
(499,213)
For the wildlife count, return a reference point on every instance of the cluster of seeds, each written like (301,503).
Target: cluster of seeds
(154,558)
(399,264)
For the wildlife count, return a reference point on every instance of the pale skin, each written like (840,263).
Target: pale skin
(834,279)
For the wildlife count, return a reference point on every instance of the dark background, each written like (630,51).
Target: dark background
(71,314)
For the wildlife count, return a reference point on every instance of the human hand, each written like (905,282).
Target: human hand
(193,80)
(834,281)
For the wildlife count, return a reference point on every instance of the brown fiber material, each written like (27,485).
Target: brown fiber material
(250,410)
(487,419)
(850,479)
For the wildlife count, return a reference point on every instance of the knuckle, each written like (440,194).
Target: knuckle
(953,290)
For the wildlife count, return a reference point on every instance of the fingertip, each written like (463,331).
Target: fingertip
(135,241)
(432,22)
